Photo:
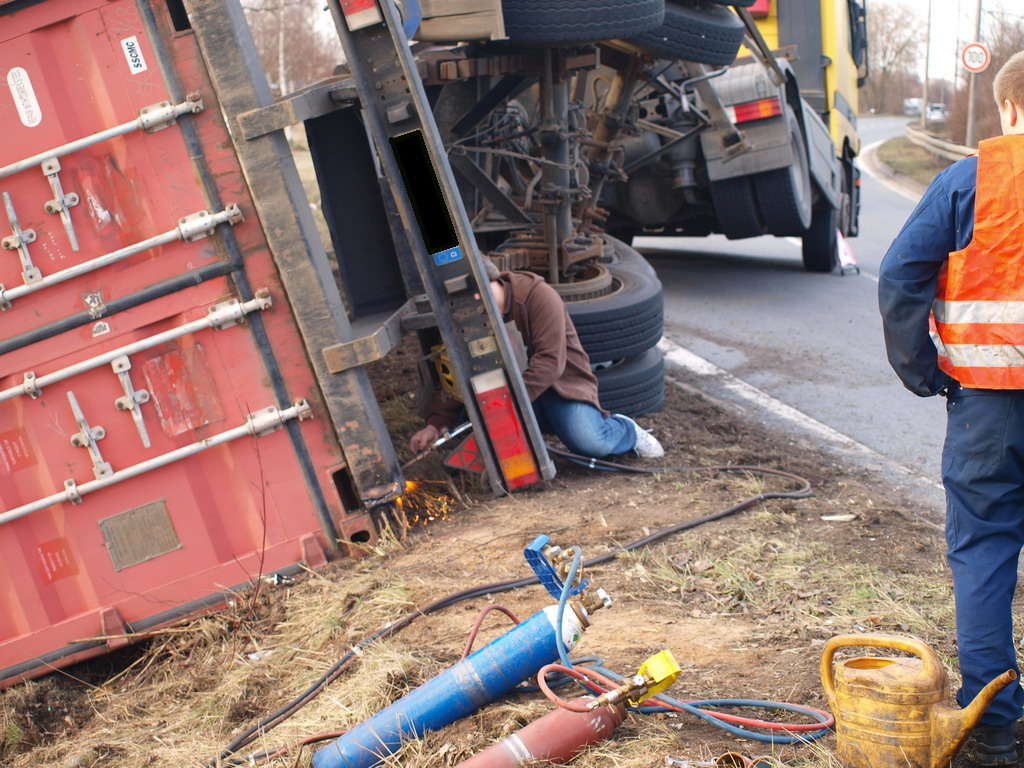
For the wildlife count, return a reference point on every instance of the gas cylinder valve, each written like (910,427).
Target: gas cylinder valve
(654,676)
(596,600)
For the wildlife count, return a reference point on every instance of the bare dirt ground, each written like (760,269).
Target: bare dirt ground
(745,603)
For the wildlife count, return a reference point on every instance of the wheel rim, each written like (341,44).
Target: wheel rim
(597,282)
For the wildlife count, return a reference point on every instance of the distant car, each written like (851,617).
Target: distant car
(912,107)
(936,112)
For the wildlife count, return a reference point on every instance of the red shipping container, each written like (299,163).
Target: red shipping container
(163,437)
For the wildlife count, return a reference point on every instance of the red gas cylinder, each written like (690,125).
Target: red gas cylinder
(555,738)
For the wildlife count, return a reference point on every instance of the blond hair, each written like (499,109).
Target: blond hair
(1009,82)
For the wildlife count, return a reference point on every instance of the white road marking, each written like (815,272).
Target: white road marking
(695,364)
(868,165)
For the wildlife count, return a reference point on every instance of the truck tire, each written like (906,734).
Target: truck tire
(737,3)
(695,31)
(847,219)
(820,244)
(633,386)
(784,195)
(736,208)
(623,323)
(579,21)
(623,233)
(626,256)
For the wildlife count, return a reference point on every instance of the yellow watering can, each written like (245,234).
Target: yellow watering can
(892,711)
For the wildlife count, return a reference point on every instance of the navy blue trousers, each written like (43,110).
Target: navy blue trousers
(983,473)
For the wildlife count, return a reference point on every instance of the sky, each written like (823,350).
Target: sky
(952,21)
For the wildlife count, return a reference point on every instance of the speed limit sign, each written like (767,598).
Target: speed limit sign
(976,57)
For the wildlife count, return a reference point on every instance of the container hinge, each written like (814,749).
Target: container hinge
(228,313)
(115,630)
(271,419)
(256,424)
(133,398)
(71,491)
(202,224)
(33,385)
(30,387)
(18,241)
(156,117)
(151,118)
(87,438)
(193,227)
(61,202)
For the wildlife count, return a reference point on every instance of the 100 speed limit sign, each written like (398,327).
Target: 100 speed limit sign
(975,57)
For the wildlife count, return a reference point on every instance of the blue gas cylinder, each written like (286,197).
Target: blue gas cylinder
(490,672)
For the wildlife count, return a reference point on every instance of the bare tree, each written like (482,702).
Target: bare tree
(295,41)
(895,40)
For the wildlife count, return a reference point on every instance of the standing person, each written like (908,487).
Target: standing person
(960,258)
(558,378)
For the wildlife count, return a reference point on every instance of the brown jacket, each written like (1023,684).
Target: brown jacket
(555,355)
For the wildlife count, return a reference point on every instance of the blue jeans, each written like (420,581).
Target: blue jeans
(582,427)
(983,473)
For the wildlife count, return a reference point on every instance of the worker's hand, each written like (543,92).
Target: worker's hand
(423,439)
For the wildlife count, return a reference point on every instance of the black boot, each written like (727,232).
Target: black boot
(995,745)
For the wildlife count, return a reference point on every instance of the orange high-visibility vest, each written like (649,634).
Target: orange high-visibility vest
(979,301)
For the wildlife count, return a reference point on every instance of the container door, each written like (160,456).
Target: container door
(165,431)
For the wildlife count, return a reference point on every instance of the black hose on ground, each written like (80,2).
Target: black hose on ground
(332,674)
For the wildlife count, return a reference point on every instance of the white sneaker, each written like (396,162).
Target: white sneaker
(647,445)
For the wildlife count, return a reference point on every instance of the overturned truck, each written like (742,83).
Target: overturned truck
(184,402)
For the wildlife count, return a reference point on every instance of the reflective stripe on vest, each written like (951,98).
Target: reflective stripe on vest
(978,314)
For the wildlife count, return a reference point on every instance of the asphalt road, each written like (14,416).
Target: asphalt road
(811,341)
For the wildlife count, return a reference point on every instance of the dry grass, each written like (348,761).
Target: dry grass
(911,160)
(805,581)
(194,689)
(748,601)
(183,698)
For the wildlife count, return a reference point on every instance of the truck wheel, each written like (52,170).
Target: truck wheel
(593,282)
(623,233)
(623,323)
(846,222)
(695,31)
(735,208)
(576,21)
(784,195)
(633,386)
(821,246)
(625,256)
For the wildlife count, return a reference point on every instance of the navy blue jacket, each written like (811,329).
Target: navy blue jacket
(943,222)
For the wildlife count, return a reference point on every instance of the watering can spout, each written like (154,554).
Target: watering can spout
(950,726)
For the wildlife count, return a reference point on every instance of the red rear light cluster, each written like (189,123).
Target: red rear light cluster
(755,110)
(361,13)
(506,430)
(761,8)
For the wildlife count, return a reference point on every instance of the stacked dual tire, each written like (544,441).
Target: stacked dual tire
(620,332)
(621,327)
(695,30)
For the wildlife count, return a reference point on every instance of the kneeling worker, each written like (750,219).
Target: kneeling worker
(558,378)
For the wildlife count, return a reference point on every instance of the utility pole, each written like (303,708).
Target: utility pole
(972,87)
(927,60)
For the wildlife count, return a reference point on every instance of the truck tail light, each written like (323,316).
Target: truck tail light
(361,13)
(505,429)
(754,110)
(761,9)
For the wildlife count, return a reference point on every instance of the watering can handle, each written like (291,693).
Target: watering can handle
(932,666)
